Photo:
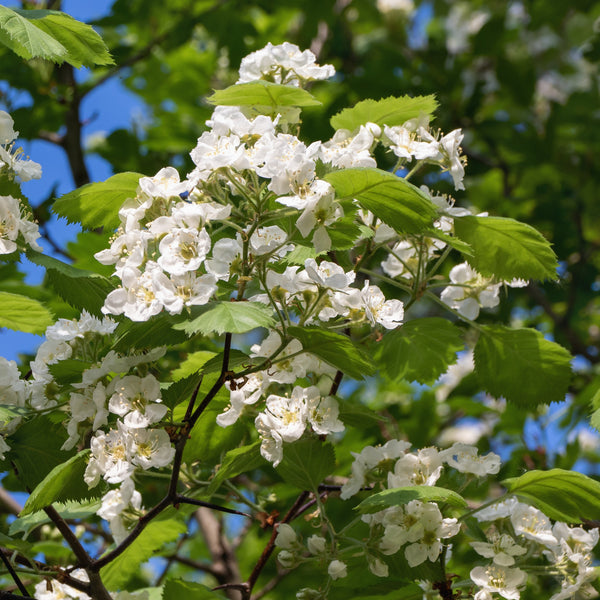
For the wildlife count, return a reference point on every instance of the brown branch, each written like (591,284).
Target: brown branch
(8,504)
(224,561)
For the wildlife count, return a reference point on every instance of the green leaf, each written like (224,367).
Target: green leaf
(181,390)
(177,589)
(404,495)
(64,483)
(522,366)
(263,93)
(68,510)
(388,111)
(193,363)
(236,359)
(8,412)
(157,331)
(390,198)
(23,314)
(26,40)
(166,528)
(97,204)
(506,248)
(208,440)
(84,47)
(420,350)
(335,349)
(79,288)
(36,448)
(353,414)
(68,370)
(231,317)
(306,463)
(561,495)
(237,461)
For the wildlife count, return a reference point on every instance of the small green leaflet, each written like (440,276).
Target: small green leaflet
(8,412)
(231,317)
(166,528)
(522,366)
(263,93)
(335,349)
(64,483)
(506,248)
(306,463)
(390,198)
(97,204)
(237,461)
(21,313)
(177,589)
(591,396)
(404,495)
(562,495)
(389,111)
(420,350)
(79,288)
(52,35)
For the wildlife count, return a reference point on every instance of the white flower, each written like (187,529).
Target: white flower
(322,413)
(114,503)
(501,580)
(316,544)
(10,218)
(388,313)
(165,184)
(183,250)
(151,448)
(283,64)
(369,458)
(424,468)
(465,459)
(286,416)
(502,548)
(500,510)
(269,239)
(532,524)
(286,537)
(137,400)
(471,290)
(337,569)
(346,150)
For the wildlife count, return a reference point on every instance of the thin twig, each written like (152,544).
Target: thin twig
(13,574)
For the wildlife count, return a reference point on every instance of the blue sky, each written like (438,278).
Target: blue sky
(108,107)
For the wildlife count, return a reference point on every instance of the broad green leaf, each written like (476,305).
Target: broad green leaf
(236,359)
(64,483)
(561,495)
(68,370)
(208,440)
(591,396)
(79,288)
(192,364)
(390,198)
(299,255)
(26,40)
(506,248)
(166,528)
(21,313)
(97,204)
(20,545)
(353,414)
(522,366)
(306,463)
(411,591)
(83,45)
(181,390)
(68,510)
(404,495)
(36,448)
(335,349)
(237,461)
(178,589)
(263,93)
(157,331)
(231,317)
(388,111)
(420,350)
